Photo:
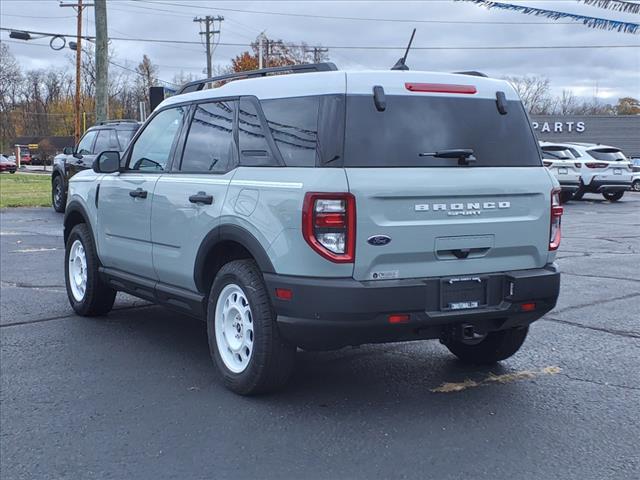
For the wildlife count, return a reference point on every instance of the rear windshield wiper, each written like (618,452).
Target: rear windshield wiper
(465,156)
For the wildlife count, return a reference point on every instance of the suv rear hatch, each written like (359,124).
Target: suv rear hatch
(422,213)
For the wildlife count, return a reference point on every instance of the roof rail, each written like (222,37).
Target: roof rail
(197,85)
(121,120)
(473,73)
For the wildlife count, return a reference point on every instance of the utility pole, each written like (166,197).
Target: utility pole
(317,53)
(102,62)
(79,7)
(209,32)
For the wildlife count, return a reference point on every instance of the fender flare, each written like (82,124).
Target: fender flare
(73,208)
(236,234)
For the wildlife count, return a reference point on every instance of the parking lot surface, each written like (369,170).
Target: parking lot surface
(135,395)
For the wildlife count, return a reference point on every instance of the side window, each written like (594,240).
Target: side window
(293,123)
(254,148)
(86,142)
(209,145)
(104,141)
(153,147)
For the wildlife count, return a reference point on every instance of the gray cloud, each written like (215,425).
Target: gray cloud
(616,72)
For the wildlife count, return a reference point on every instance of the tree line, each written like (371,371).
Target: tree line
(40,102)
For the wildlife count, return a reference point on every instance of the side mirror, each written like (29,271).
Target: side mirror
(67,150)
(107,162)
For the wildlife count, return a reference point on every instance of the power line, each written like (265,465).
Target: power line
(353,47)
(361,19)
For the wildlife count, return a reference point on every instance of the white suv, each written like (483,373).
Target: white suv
(562,163)
(603,169)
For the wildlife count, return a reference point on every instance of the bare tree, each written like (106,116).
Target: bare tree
(534,92)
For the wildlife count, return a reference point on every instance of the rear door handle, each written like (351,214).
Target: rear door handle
(138,192)
(201,197)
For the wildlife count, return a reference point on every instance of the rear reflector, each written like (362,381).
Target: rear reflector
(528,307)
(284,294)
(398,318)
(440,88)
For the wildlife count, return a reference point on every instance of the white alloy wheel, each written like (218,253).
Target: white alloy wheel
(77,270)
(234,328)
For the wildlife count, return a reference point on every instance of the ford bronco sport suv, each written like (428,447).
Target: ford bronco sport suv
(107,135)
(322,209)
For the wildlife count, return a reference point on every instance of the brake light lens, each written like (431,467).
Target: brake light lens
(555,231)
(440,88)
(329,225)
(596,165)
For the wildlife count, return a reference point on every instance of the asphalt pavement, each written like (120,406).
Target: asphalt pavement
(134,395)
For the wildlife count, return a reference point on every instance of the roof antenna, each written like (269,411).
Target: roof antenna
(400,65)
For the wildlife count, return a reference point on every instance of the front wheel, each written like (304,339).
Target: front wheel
(496,346)
(635,186)
(613,196)
(88,294)
(58,197)
(244,340)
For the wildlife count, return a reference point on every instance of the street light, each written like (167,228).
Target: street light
(20,35)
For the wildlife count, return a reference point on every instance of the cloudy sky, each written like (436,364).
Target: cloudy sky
(611,72)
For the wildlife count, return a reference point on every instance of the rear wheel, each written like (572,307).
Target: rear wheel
(565,197)
(613,196)
(58,197)
(496,346)
(244,340)
(88,294)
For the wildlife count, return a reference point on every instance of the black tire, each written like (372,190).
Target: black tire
(272,359)
(98,296)
(12,171)
(635,186)
(496,346)
(580,193)
(58,195)
(565,197)
(613,196)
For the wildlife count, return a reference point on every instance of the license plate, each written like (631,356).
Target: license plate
(463,293)
(463,305)
(563,171)
(617,171)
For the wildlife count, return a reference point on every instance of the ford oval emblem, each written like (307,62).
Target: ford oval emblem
(378,240)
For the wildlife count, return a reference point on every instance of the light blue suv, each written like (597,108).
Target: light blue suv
(310,207)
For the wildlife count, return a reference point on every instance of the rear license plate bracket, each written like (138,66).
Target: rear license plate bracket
(463,293)
(563,171)
(617,171)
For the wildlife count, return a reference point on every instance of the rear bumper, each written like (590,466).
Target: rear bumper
(335,312)
(599,186)
(570,185)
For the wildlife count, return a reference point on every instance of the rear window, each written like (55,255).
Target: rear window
(557,153)
(411,125)
(607,154)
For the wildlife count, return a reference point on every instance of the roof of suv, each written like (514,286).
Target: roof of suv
(351,82)
(117,124)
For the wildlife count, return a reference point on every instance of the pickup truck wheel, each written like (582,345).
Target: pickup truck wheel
(88,294)
(244,340)
(58,197)
(613,196)
(495,347)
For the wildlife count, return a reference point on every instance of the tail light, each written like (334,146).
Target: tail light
(555,232)
(578,165)
(596,165)
(547,163)
(329,225)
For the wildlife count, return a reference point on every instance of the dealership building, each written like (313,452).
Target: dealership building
(622,131)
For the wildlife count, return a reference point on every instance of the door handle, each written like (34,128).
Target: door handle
(138,192)
(201,197)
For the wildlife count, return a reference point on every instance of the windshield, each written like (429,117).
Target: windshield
(607,154)
(414,125)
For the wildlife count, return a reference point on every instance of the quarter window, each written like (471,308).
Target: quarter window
(293,123)
(153,147)
(209,145)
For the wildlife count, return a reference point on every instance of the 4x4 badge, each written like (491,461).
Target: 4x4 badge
(378,240)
